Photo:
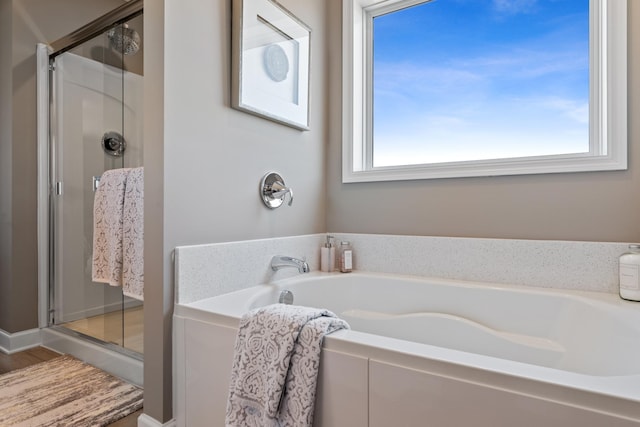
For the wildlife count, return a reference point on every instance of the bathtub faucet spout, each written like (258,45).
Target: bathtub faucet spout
(282,261)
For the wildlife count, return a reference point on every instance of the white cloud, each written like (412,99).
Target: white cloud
(513,7)
(573,109)
(464,74)
(424,75)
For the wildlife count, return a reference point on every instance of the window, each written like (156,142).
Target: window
(439,89)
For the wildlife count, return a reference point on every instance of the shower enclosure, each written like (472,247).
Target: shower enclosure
(94,124)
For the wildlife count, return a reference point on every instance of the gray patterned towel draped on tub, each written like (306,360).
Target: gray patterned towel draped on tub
(275,366)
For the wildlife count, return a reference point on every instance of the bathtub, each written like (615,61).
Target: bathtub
(427,351)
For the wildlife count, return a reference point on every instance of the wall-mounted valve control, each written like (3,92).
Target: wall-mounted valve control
(273,191)
(113,143)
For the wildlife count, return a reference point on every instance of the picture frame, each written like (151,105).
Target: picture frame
(270,62)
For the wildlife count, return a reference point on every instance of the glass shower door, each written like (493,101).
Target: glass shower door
(96,126)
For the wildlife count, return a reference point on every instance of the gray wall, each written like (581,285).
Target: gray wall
(6,81)
(215,156)
(203,162)
(597,206)
(23,24)
(158,298)
(202,172)
(202,180)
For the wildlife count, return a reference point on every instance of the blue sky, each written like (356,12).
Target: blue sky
(463,79)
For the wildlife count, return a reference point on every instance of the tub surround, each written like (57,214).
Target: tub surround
(205,271)
(393,381)
(569,359)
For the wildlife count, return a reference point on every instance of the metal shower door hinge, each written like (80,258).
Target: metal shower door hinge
(58,189)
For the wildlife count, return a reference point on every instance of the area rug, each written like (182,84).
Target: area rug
(65,392)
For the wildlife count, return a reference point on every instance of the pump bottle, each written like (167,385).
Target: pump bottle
(328,256)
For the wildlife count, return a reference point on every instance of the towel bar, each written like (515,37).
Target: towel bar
(95,182)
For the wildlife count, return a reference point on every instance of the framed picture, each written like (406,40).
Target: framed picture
(270,62)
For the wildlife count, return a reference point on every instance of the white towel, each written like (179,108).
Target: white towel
(108,208)
(275,367)
(133,235)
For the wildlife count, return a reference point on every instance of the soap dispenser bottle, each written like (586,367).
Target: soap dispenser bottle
(328,256)
(345,257)
(630,274)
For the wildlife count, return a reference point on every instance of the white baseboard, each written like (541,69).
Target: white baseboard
(12,343)
(145,420)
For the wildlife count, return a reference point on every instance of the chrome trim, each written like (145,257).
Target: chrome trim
(111,360)
(286,297)
(104,344)
(51,199)
(273,191)
(95,182)
(43,96)
(283,261)
(97,26)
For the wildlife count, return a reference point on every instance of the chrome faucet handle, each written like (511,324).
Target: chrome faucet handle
(273,191)
(280,191)
(290,196)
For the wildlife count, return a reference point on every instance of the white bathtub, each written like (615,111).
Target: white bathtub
(450,352)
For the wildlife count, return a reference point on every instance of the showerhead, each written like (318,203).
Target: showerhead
(124,39)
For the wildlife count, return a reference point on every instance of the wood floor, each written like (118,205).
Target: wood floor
(35,355)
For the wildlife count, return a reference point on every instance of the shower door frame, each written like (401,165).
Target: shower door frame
(114,359)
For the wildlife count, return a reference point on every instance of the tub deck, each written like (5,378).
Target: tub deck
(508,355)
